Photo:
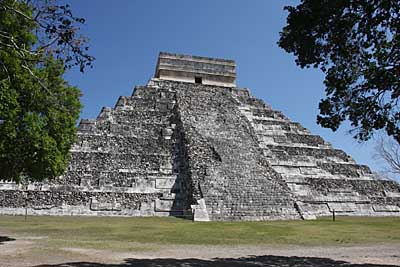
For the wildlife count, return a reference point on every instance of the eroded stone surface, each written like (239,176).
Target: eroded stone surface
(173,143)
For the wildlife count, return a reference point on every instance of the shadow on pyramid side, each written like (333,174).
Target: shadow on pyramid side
(192,144)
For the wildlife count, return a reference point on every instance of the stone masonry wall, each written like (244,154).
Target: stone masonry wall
(122,164)
(322,179)
(173,144)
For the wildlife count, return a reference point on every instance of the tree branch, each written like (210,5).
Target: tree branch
(36,78)
(389,151)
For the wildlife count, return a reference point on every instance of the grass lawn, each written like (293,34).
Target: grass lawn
(120,233)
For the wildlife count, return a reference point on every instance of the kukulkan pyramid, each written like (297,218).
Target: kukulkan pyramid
(191,143)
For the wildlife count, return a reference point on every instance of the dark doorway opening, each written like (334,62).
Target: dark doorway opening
(198,80)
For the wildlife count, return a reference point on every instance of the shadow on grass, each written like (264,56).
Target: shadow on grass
(251,261)
(5,239)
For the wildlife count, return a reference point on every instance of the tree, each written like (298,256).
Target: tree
(356,43)
(38,108)
(52,29)
(388,150)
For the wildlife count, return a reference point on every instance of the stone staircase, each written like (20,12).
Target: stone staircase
(227,167)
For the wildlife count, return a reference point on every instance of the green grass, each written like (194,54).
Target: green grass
(146,233)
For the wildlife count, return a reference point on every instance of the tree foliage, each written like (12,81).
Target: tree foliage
(53,29)
(356,43)
(38,109)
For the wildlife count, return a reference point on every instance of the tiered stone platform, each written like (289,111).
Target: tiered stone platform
(190,143)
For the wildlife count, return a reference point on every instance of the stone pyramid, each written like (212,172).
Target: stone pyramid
(190,143)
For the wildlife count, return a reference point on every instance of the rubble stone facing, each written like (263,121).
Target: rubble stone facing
(205,151)
(321,178)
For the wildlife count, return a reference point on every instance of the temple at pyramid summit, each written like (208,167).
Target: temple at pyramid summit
(191,143)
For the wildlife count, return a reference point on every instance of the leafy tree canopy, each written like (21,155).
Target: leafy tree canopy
(38,109)
(356,43)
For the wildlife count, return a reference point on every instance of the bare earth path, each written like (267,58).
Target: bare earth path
(26,251)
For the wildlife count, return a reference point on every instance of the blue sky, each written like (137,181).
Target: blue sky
(127,35)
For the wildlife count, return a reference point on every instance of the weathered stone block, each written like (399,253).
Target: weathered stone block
(165,183)
(164,205)
(102,205)
(342,207)
(386,208)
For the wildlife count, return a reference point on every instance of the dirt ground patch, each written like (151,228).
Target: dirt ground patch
(26,251)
